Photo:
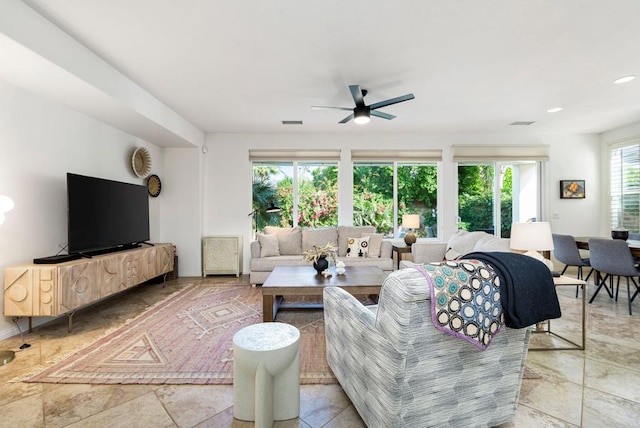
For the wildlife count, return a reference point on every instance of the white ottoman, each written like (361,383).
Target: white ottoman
(266,373)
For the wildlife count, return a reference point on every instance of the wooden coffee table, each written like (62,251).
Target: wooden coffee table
(304,281)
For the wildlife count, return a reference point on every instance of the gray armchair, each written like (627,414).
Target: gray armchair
(400,371)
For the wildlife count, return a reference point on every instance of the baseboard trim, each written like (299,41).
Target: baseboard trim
(12,330)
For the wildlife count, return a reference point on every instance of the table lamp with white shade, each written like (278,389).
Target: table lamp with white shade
(532,237)
(410,222)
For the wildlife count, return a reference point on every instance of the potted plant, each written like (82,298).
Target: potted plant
(318,255)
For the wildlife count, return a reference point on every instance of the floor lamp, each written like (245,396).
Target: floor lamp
(272,208)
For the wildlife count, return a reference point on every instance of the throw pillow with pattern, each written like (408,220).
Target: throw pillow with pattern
(358,247)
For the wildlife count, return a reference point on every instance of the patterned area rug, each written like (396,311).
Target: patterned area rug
(187,339)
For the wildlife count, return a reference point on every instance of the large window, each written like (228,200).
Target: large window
(305,192)
(384,191)
(625,188)
(493,195)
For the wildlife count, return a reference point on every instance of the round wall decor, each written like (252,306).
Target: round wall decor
(141,162)
(154,185)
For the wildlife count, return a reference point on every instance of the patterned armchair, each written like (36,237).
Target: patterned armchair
(400,371)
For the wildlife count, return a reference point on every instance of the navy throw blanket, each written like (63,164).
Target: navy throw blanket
(527,292)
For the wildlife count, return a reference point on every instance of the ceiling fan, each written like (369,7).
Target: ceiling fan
(362,113)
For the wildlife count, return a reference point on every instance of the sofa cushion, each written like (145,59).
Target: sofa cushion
(267,264)
(494,244)
(375,243)
(289,239)
(346,232)
(269,246)
(385,264)
(318,237)
(358,247)
(464,241)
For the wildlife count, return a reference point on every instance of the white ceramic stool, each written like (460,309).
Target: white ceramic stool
(266,373)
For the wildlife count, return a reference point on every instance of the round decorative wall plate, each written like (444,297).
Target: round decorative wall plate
(141,162)
(154,185)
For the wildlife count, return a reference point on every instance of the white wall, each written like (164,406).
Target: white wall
(40,141)
(575,157)
(227,176)
(182,206)
(210,193)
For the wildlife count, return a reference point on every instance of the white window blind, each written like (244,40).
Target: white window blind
(625,187)
(294,155)
(500,153)
(434,155)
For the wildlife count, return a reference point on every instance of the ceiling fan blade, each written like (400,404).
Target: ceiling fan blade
(347,119)
(382,115)
(391,101)
(356,93)
(331,108)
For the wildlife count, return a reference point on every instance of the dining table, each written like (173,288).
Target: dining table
(634,245)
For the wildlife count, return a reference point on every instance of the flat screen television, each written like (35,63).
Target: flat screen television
(105,215)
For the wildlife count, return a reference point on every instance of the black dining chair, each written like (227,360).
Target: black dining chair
(612,258)
(566,251)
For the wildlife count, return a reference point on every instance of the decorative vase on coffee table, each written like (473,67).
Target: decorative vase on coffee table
(321,264)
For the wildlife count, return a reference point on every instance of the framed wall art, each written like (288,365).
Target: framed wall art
(572,189)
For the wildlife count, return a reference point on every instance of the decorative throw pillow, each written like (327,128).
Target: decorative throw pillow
(375,243)
(346,232)
(452,254)
(358,247)
(269,246)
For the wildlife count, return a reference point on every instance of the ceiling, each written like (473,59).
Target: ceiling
(473,66)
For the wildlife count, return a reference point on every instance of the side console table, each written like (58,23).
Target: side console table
(38,290)
(567,281)
(399,250)
(222,255)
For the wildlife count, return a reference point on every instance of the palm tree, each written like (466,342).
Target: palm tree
(264,194)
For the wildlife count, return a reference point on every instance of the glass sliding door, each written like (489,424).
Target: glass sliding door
(493,195)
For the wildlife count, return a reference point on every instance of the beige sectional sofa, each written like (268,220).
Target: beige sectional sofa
(460,243)
(290,243)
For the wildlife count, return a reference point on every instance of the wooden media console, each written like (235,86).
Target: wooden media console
(38,290)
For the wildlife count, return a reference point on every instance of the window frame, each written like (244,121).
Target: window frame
(295,166)
(395,164)
(619,221)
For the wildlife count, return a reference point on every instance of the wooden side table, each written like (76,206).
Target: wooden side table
(400,249)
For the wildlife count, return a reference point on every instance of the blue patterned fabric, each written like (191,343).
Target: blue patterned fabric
(465,299)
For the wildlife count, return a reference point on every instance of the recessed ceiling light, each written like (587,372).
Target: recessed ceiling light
(624,79)
(554,110)
(292,122)
(522,123)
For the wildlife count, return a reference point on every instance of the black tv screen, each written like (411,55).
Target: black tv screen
(105,214)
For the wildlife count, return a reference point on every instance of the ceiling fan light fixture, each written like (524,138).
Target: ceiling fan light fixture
(361,115)
(361,120)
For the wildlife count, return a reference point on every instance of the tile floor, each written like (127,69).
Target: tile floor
(599,387)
